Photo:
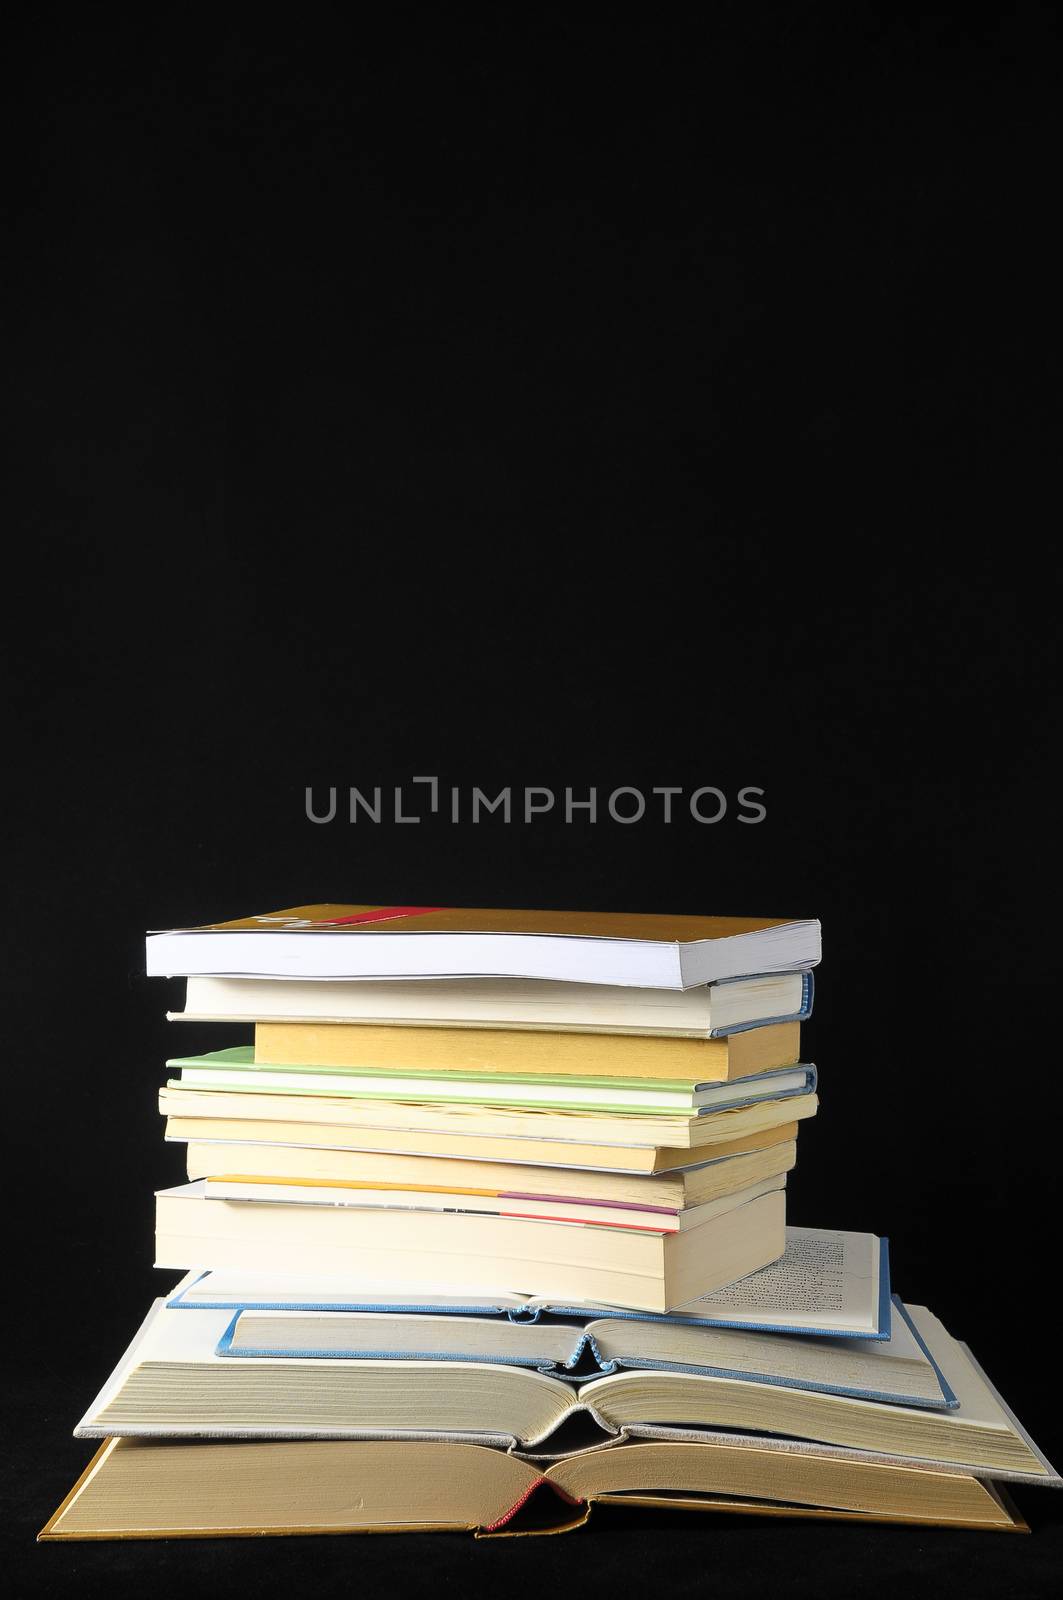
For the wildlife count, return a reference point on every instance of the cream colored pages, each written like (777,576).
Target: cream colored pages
(667,1130)
(743,1469)
(825,1279)
(894,1366)
(229,1287)
(979,1434)
(491,1003)
(767,1294)
(897,1367)
(364,1334)
(980,1404)
(137,1488)
(171,1382)
(545,1210)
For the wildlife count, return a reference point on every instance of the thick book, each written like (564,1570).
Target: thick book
(828,1282)
(235,1068)
(255,1372)
(526,1005)
(639,1268)
(671,1191)
(899,1370)
(156,1489)
(492,1051)
(621,948)
(920,1397)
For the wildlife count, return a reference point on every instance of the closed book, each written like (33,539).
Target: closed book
(623,948)
(526,1005)
(235,1068)
(626,1143)
(527,1052)
(828,1283)
(638,1267)
(687,1186)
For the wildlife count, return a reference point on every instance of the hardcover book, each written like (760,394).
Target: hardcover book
(152,1489)
(526,1005)
(236,1068)
(920,1397)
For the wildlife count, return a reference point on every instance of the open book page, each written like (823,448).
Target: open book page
(980,1405)
(897,1367)
(791,1446)
(193,1337)
(1043,1463)
(825,1279)
(172,1382)
(134,1352)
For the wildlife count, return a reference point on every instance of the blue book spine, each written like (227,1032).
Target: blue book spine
(808,990)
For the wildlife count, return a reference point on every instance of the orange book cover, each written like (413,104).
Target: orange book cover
(449,919)
(627,948)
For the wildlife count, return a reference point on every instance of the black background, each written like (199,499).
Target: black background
(541,404)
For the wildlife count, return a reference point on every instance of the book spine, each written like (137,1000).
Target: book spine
(808,990)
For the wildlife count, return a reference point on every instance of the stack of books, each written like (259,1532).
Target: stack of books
(495,1203)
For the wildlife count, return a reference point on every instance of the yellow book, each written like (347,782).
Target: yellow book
(301,1163)
(611,1055)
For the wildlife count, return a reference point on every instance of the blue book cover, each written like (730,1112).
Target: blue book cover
(808,993)
(898,1371)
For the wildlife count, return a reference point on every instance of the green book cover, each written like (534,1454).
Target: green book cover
(236,1068)
(243,1056)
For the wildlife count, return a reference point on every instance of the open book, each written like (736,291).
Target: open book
(898,1370)
(919,1396)
(144,1489)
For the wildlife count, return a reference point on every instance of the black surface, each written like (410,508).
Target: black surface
(542,405)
